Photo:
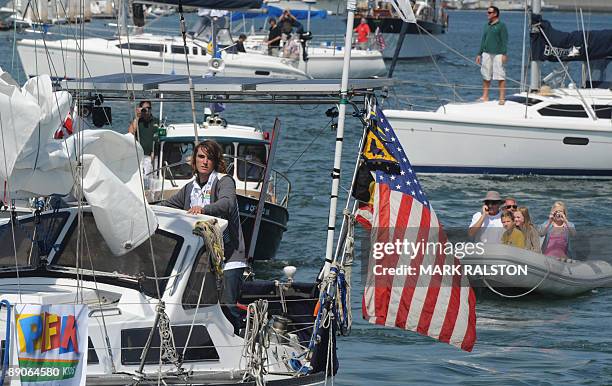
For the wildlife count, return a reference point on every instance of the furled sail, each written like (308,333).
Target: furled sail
(34,164)
(547,43)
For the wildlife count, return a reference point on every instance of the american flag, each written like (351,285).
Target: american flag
(441,306)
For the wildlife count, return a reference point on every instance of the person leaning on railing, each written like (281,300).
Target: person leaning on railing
(213,192)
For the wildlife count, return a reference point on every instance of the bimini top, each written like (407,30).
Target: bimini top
(216,85)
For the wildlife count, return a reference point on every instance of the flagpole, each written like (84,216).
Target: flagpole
(333,202)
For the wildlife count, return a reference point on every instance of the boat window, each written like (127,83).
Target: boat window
(195,50)
(200,280)
(179,154)
(33,238)
(253,156)
(178,49)
(96,256)
(200,346)
(573,111)
(143,47)
(603,111)
(523,100)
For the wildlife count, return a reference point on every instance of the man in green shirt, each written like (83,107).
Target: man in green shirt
(492,54)
(144,127)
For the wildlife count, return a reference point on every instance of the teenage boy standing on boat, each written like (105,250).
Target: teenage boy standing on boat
(492,54)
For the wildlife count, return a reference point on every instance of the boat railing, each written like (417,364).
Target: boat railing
(249,178)
(250,171)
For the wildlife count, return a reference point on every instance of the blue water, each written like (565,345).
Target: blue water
(527,341)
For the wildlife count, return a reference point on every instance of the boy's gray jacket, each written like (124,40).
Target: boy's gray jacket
(223,204)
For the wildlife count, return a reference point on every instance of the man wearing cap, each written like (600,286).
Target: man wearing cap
(486,226)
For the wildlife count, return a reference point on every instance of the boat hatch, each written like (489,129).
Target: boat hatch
(32,237)
(97,257)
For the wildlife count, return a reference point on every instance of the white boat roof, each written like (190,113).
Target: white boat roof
(179,84)
(243,134)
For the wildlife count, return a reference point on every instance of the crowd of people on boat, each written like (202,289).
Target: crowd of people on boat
(504,221)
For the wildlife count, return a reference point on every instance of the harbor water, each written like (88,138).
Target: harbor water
(523,341)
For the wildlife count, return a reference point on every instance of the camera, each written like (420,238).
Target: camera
(145,110)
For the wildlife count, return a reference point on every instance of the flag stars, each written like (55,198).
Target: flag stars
(402,172)
(392,178)
(398,187)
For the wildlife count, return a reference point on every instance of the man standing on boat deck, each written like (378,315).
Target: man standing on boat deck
(274,38)
(486,225)
(492,54)
(213,192)
(144,127)
(363,34)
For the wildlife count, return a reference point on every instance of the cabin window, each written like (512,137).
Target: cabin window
(178,49)
(252,162)
(96,256)
(200,346)
(572,111)
(195,50)
(143,47)
(200,280)
(32,239)
(178,156)
(523,100)
(603,111)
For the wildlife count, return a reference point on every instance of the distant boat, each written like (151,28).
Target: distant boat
(246,151)
(418,44)
(145,53)
(561,131)
(544,274)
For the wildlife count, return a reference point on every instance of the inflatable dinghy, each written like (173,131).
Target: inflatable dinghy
(503,266)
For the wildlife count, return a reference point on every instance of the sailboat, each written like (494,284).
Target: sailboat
(562,130)
(146,53)
(320,60)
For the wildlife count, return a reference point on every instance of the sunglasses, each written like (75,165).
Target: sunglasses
(490,12)
(510,206)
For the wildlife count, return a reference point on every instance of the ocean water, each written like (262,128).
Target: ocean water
(526,341)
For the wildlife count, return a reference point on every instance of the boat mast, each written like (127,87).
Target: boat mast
(351,6)
(534,73)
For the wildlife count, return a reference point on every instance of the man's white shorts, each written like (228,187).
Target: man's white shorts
(492,67)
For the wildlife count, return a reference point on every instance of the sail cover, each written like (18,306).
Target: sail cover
(32,163)
(547,43)
(211,4)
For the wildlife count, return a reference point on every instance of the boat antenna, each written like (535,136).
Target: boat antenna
(191,88)
(351,6)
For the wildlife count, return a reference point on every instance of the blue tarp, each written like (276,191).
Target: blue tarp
(269,10)
(569,46)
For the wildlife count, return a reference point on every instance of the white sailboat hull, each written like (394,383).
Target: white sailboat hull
(64,59)
(326,63)
(485,138)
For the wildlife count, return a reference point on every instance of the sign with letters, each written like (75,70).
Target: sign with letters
(49,344)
